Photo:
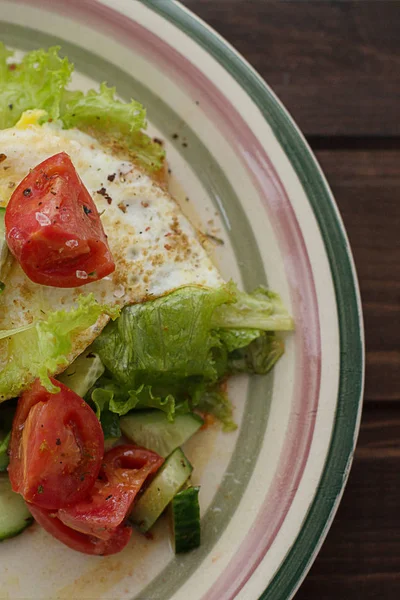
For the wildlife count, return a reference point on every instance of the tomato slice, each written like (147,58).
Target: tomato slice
(124,471)
(53,228)
(56,448)
(79,541)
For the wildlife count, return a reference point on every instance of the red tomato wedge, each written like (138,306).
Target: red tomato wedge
(53,228)
(56,447)
(123,472)
(79,541)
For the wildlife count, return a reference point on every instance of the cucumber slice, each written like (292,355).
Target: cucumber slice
(168,481)
(151,429)
(4,458)
(185,510)
(14,515)
(83,373)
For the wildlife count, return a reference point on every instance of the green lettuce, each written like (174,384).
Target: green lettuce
(258,357)
(215,401)
(237,338)
(102,110)
(113,398)
(41,349)
(262,309)
(165,340)
(40,80)
(168,354)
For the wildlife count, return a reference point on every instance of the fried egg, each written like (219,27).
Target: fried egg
(154,246)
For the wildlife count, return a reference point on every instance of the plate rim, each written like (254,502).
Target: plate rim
(293,570)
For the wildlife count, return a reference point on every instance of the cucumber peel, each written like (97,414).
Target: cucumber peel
(185,512)
(166,484)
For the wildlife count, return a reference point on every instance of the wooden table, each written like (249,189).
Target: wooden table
(336,67)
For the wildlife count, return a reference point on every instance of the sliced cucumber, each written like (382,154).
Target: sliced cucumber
(14,515)
(185,511)
(168,481)
(83,373)
(151,429)
(4,458)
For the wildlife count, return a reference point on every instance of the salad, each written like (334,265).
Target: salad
(117,332)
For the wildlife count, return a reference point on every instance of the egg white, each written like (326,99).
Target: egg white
(155,248)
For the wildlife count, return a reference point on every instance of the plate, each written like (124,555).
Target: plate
(240,167)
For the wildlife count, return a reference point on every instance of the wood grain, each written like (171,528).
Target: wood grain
(366,185)
(360,559)
(335,65)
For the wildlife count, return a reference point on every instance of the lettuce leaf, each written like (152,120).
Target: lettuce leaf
(215,401)
(262,309)
(166,353)
(164,341)
(39,350)
(237,338)
(258,357)
(39,81)
(116,401)
(102,110)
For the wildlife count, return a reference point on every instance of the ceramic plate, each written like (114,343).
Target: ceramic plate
(241,168)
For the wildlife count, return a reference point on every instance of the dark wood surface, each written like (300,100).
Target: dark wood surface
(336,67)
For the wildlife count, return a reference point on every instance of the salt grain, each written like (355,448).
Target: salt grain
(119,291)
(42,219)
(81,274)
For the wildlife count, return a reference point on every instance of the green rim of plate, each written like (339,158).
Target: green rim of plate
(297,562)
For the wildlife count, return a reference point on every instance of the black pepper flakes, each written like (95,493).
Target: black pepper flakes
(175,136)
(111,177)
(103,192)
(27,192)
(86,210)
(58,442)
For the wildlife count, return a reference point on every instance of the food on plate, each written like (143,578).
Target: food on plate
(117,332)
